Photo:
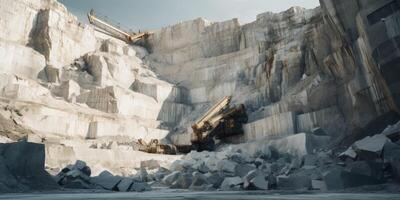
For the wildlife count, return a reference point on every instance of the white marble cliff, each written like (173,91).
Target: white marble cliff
(85,94)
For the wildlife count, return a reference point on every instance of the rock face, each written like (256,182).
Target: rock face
(295,71)
(306,77)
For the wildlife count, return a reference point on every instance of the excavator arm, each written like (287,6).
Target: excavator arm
(220,121)
(114,30)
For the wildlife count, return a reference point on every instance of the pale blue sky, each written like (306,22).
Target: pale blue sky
(153,14)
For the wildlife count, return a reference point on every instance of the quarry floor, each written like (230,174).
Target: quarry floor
(232,195)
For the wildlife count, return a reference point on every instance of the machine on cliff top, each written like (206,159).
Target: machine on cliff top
(114,29)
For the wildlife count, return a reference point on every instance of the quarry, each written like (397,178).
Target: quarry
(304,103)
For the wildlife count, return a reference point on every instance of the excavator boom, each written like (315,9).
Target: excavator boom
(114,30)
(220,121)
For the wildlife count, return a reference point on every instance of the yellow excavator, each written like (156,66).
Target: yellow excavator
(115,30)
(219,122)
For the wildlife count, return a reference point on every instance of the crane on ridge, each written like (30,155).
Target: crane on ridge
(115,30)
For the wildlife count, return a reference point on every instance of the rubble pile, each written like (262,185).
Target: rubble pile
(370,161)
(77,176)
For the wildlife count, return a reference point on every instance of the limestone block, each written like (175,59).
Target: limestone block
(294,182)
(107,68)
(199,180)
(392,132)
(117,161)
(150,164)
(26,161)
(184,181)
(106,180)
(173,112)
(52,74)
(14,87)
(18,18)
(70,90)
(370,147)
(231,183)
(60,37)
(117,100)
(125,184)
(145,88)
(20,60)
(300,144)
(243,169)
(171,178)
(132,129)
(276,125)
(255,180)
(226,166)
(329,119)
(338,178)
(318,185)
(139,187)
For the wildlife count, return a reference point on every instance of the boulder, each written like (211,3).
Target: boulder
(171,178)
(294,182)
(201,167)
(183,181)
(211,163)
(124,184)
(52,74)
(310,160)
(106,180)
(255,180)
(139,187)
(240,157)
(149,164)
(26,162)
(181,165)
(160,174)
(391,155)
(300,144)
(242,170)
(370,148)
(142,175)
(392,132)
(231,183)
(349,153)
(199,182)
(372,169)
(69,90)
(215,179)
(318,185)
(78,184)
(226,166)
(337,179)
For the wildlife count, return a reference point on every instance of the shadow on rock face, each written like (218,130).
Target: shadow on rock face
(22,168)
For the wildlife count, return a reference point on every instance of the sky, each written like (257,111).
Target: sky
(154,14)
